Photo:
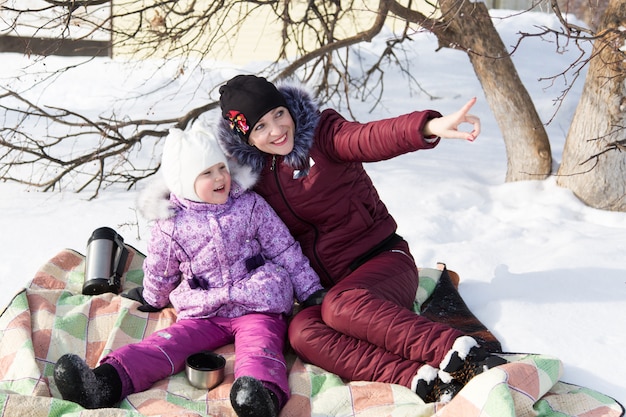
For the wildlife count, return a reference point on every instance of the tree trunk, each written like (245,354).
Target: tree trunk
(594,161)
(469,28)
(589,11)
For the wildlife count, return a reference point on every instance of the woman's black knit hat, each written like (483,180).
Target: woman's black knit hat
(245,99)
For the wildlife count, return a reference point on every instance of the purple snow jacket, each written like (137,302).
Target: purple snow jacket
(225,260)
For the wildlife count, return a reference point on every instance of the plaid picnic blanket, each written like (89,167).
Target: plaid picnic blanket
(51,317)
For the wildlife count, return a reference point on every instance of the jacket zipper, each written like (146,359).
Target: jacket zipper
(282,194)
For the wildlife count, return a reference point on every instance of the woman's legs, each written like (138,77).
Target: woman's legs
(350,358)
(375,302)
(366,328)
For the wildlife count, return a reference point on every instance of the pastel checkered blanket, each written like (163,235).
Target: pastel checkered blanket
(51,317)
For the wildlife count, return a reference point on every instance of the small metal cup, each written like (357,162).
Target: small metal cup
(205,370)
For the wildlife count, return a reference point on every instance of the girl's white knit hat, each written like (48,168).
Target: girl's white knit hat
(186,154)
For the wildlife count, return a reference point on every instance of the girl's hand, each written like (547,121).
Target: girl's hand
(447,127)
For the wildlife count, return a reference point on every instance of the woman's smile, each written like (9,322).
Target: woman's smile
(280,141)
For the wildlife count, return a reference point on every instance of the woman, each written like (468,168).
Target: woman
(309,167)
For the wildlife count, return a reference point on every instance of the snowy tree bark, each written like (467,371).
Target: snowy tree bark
(528,149)
(594,161)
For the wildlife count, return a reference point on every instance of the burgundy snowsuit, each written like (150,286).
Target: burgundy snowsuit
(365,328)
(231,271)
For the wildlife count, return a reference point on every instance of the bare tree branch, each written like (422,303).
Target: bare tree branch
(90,152)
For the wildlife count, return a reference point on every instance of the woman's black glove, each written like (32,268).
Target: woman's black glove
(136,294)
(314,299)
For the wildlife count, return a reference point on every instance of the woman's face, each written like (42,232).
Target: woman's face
(274,132)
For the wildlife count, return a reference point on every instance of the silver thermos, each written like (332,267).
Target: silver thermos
(105,262)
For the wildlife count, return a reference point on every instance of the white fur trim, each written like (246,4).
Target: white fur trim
(462,345)
(426,373)
(153,202)
(444,376)
(445,398)
(243,174)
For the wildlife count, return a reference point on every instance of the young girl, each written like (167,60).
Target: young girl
(229,267)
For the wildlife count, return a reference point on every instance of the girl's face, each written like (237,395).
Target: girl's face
(274,132)
(213,184)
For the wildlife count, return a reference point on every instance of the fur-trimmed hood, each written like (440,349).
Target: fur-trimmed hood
(244,161)
(306,115)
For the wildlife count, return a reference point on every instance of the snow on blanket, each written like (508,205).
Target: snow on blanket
(51,317)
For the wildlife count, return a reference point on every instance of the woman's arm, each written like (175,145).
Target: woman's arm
(349,141)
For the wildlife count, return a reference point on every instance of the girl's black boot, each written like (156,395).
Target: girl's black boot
(91,388)
(250,398)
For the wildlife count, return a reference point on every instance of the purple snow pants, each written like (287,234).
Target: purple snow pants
(259,341)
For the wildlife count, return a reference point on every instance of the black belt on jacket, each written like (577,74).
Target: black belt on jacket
(383,246)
